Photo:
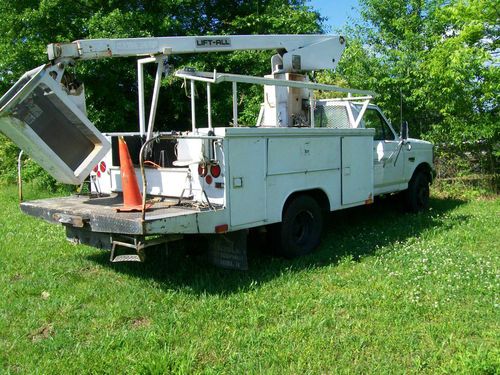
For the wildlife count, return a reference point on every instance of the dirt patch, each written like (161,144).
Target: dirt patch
(89,270)
(14,369)
(140,322)
(16,277)
(42,333)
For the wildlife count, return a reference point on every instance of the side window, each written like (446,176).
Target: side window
(374,120)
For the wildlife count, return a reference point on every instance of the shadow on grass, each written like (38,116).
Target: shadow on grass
(356,233)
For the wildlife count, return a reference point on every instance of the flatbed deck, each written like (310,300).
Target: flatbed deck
(100,214)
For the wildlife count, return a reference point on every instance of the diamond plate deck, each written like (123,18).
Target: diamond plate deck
(100,215)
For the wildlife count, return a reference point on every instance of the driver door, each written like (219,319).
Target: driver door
(387,166)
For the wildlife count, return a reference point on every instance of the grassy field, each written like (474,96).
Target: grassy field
(386,293)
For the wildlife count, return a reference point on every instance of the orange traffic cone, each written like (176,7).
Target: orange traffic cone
(132,198)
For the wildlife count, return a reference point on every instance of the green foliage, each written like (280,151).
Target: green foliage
(468,187)
(385,293)
(37,177)
(441,55)
(8,159)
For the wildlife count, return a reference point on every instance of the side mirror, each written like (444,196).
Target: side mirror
(404,130)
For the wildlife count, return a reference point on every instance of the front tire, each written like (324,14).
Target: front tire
(417,195)
(300,231)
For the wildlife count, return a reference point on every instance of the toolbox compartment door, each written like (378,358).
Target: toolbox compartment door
(41,118)
(357,169)
(247,180)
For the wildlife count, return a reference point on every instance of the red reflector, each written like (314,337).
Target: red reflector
(98,173)
(102,167)
(215,170)
(202,169)
(208,179)
(221,228)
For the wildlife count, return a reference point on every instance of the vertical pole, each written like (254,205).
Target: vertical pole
(140,85)
(19,176)
(235,105)
(154,100)
(193,107)
(311,106)
(400,106)
(209,105)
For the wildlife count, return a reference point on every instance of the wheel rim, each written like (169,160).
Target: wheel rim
(302,226)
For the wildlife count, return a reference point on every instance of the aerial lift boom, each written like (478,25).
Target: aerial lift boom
(297,52)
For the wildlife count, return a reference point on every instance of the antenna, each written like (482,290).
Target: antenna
(401,105)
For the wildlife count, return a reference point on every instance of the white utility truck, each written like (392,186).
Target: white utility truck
(302,158)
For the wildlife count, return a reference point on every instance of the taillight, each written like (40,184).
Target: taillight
(95,169)
(202,169)
(215,170)
(102,166)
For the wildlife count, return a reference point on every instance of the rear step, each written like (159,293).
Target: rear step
(139,244)
(128,258)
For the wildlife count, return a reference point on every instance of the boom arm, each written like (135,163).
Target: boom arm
(301,52)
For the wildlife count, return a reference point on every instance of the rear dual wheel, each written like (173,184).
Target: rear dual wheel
(300,231)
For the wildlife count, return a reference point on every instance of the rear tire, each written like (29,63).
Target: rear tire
(417,194)
(300,231)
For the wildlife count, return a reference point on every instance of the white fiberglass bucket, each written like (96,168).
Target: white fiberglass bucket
(40,117)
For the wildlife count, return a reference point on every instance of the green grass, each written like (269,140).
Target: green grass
(385,293)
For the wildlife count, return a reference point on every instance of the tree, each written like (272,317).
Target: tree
(29,25)
(440,55)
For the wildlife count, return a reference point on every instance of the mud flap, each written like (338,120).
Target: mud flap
(48,122)
(229,250)
(85,236)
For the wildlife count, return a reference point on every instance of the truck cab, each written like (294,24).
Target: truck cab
(395,159)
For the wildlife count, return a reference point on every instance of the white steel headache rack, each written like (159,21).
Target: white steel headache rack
(216,78)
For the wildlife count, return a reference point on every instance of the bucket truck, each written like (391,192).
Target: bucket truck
(302,157)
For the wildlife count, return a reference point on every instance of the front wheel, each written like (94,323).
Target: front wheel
(300,231)
(417,195)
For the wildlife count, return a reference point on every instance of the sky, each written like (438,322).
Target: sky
(337,11)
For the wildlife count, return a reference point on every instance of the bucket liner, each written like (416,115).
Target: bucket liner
(40,117)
